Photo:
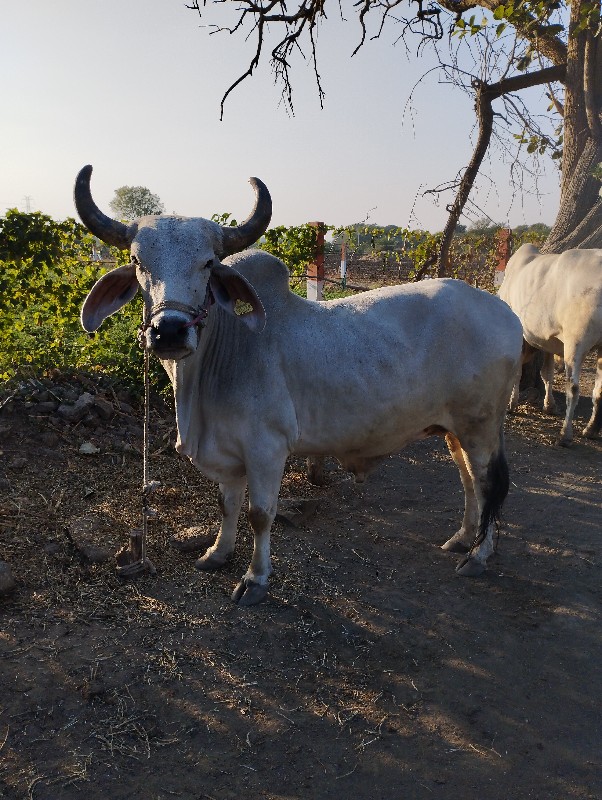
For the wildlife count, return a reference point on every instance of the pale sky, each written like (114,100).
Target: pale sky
(133,87)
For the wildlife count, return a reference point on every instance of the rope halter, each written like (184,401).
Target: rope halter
(199,314)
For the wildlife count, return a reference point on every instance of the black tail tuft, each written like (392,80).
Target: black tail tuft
(495,491)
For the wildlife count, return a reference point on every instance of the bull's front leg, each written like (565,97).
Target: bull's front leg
(573,358)
(232,495)
(547,376)
(264,486)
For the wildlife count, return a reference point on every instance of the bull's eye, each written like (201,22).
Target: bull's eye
(140,267)
(209,264)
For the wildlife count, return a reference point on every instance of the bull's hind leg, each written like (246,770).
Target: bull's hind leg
(232,495)
(593,427)
(264,486)
(461,540)
(488,469)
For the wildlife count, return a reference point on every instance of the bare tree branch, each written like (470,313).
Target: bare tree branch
(485,95)
(299,19)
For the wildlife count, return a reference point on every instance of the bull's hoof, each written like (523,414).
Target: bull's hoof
(249,593)
(455,547)
(470,568)
(564,442)
(210,562)
(591,433)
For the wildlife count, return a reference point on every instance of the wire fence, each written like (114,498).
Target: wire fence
(296,280)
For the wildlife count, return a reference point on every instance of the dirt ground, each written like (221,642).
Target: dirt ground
(372,672)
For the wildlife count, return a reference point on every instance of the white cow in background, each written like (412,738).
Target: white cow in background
(558,299)
(357,378)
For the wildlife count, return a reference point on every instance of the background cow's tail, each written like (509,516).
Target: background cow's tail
(497,483)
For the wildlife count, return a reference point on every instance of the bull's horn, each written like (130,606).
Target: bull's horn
(236,239)
(108,230)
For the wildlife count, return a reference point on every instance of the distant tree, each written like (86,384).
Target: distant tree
(540,228)
(484,225)
(131,202)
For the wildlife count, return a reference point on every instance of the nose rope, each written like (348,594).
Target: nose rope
(198,313)
(198,320)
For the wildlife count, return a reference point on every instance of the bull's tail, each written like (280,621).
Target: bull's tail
(495,490)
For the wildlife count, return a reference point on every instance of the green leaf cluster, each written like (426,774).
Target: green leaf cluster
(469,27)
(225,220)
(296,246)
(518,13)
(537,144)
(46,271)
(589,18)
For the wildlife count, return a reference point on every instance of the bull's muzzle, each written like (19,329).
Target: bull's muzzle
(171,338)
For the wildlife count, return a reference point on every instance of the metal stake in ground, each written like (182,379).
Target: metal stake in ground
(133,561)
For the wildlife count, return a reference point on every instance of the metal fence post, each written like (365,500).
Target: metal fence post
(344,259)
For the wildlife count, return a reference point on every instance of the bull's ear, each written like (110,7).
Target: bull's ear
(228,286)
(108,295)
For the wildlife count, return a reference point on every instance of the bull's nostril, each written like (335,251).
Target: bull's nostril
(168,333)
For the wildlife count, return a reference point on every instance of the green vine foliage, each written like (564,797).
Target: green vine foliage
(296,246)
(47,269)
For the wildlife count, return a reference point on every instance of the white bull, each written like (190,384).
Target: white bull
(357,378)
(558,299)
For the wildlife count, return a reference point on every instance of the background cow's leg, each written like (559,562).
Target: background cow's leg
(526,357)
(547,376)
(461,540)
(514,397)
(593,426)
(232,495)
(573,359)
(315,466)
(264,486)
(489,470)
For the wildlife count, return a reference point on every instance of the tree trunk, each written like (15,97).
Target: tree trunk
(579,219)
(485,94)
(484,98)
